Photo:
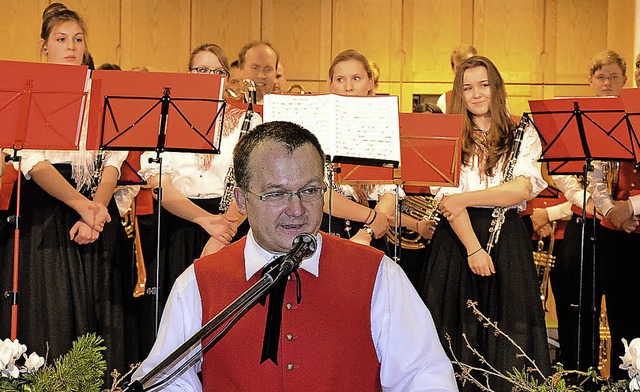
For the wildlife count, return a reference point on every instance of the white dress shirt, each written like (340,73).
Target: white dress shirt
(404,335)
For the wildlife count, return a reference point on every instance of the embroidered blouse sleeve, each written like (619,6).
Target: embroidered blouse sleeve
(527,162)
(150,169)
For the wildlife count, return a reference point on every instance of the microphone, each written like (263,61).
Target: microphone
(303,247)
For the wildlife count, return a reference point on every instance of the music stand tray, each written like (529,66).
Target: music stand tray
(126,115)
(573,130)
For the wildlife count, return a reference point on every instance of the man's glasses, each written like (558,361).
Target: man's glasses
(281,198)
(206,70)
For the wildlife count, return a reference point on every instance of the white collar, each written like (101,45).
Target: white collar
(256,257)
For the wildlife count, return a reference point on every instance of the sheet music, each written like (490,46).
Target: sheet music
(357,127)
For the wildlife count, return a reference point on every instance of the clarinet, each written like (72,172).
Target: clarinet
(96,177)
(498,212)
(230,178)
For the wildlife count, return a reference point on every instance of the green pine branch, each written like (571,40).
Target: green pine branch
(82,369)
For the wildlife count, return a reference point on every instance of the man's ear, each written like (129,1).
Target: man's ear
(240,201)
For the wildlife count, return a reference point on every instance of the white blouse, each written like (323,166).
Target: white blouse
(526,165)
(188,173)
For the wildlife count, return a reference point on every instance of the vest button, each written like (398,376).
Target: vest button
(289,336)
(633,185)
(289,306)
(289,366)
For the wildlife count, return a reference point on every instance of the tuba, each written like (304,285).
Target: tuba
(419,207)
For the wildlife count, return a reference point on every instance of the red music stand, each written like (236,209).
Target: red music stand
(133,103)
(574,132)
(430,151)
(631,105)
(127,108)
(41,108)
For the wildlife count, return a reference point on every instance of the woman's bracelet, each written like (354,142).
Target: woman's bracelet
(368,216)
(474,252)
(417,226)
(375,214)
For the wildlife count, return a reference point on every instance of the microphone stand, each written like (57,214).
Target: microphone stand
(236,309)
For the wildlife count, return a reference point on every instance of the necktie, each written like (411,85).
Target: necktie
(274,312)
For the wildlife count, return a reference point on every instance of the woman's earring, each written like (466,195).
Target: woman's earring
(45,50)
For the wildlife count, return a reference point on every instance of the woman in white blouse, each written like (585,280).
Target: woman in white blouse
(70,249)
(192,187)
(502,283)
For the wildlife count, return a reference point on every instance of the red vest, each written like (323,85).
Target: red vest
(325,341)
(628,182)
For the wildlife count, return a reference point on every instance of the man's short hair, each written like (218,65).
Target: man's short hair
(607,57)
(243,52)
(288,134)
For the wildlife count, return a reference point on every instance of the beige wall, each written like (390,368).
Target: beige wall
(542,47)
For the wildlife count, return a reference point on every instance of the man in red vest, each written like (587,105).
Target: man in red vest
(350,319)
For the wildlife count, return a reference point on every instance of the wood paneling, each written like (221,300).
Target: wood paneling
(295,28)
(156,34)
(542,47)
(20,29)
(103,24)
(230,24)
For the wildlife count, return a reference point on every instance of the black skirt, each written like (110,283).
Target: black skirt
(510,297)
(66,289)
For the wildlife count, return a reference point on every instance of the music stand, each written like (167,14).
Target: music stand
(126,117)
(574,132)
(431,150)
(41,108)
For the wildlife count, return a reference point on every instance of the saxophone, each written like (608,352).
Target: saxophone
(230,178)
(498,212)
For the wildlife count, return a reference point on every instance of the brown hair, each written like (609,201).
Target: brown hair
(607,57)
(243,52)
(500,137)
(461,53)
(213,48)
(347,55)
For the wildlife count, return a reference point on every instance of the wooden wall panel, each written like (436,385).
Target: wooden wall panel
(103,24)
(20,26)
(156,34)
(294,27)
(369,26)
(542,47)
(581,33)
(520,26)
(230,24)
